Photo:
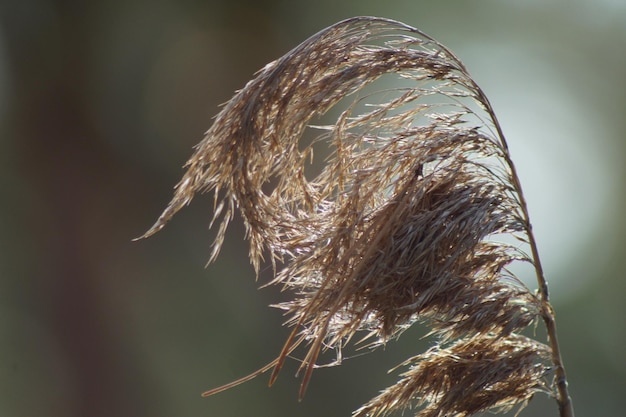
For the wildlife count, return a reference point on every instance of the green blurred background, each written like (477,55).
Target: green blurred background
(100,105)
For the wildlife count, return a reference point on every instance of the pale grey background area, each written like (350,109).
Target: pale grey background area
(100,105)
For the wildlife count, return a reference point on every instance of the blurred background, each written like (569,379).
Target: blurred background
(100,105)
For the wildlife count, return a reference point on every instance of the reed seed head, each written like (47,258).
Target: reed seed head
(414,215)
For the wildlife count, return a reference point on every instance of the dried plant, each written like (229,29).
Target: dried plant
(416,215)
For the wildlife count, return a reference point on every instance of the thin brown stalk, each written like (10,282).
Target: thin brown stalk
(566,407)
(410,218)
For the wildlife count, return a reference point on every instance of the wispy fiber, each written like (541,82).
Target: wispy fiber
(472,375)
(416,214)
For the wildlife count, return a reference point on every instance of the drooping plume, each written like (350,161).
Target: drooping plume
(414,214)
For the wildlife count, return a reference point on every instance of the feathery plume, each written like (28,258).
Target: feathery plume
(410,219)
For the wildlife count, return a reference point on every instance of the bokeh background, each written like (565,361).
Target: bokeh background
(100,105)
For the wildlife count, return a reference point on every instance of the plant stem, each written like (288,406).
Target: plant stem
(563,398)
(566,407)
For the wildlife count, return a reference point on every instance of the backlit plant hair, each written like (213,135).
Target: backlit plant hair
(416,215)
